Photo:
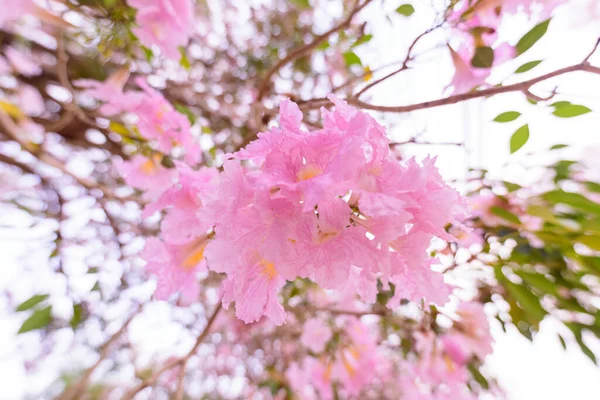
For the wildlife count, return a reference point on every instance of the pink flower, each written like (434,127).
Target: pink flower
(321,372)
(147,174)
(22,63)
(160,122)
(13,10)
(31,101)
(167,24)
(315,335)
(332,205)
(110,92)
(175,266)
(183,201)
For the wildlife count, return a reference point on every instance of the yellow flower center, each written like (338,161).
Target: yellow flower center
(268,269)
(195,256)
(307,172)
(149,167)
(449,363)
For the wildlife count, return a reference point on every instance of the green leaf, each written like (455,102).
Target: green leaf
(559,146)
(483,57)
(38,320)
(186,111)
(562,342)
(362,40)
(576,329)
(570,110)
(351,59)
(593,242)
(527,300)
(184,61)
(147,53)
(507,116)
(519,138)
(505,214)
(77,316)
(405,9)
(559,104)
(303,4)
(531,37)
(539,282)
(528,66)
(32,301)
(478,376)
(323,46)
(574,200)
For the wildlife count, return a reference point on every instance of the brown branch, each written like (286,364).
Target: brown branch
(299,51)
(404,63)
(12,130)
(516,87)
(75,392)
(178,361)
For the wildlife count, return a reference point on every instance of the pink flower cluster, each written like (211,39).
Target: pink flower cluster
(157,121)
(167,24)
(332,205)
(356,362)
(441,371)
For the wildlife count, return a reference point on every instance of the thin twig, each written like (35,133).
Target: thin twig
(516,87)
(299,51)
(75,392)
(178,361)
(404,63)
(12,130)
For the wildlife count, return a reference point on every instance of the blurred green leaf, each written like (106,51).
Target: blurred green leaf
(38,320)
(184,61)
(575,200)
(593,242)
(362,40)
(32,301)
(186,111)
(77,316)
(562,342)
(539,282)
(405,9)
(505,214)
(527,66)
(571,110)
(303,4)
(350,58)
(577,332)
(483,57)
(531,37)
(507,116)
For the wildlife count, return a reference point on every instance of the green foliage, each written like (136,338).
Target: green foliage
(519,138)
(507,116)
(405,9)
(350,58)
(32,302)
(531,37)
(527,66)
(38,320)
(302,4)
(568,110)
(362,40)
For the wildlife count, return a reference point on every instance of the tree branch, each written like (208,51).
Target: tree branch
(179,361)
(299,51)
(516,87)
